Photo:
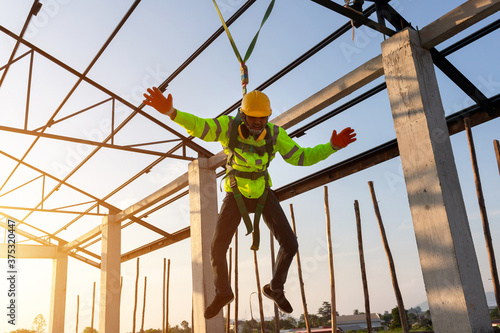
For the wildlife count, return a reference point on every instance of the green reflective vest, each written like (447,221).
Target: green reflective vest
(252,157)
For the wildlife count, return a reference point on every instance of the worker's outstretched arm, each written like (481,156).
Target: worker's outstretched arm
(343,139)
(161,103)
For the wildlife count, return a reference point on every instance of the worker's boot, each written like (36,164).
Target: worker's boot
(217,304)
(278,296)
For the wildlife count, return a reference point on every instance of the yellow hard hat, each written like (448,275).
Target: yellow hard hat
(256,104)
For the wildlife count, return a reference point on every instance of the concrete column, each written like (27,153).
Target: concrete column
(203,205)
(109,304)
(447,256)
(58,293)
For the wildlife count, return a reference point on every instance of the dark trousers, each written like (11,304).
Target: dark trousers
(227,223)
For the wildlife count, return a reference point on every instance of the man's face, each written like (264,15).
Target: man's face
(256,123)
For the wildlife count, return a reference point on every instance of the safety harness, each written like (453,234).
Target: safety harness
(232,173)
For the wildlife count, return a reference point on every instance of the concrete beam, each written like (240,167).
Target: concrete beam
(447,255)
(58,291)
(457,21)
(203,206)
(30,251)
(157,244)
(154,198)
(109,305)
(84,238)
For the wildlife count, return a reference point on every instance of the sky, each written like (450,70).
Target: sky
(157,38)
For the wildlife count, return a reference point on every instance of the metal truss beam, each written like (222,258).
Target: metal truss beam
(93,143)
(44,242)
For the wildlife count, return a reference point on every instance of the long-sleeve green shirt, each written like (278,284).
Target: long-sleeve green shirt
(218,129)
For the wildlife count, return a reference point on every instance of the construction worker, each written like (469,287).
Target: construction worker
(250,143)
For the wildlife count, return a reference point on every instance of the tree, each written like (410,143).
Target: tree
(23,330)
(494,313)
(355,312)
(89,330)
(185,325)
(396,320)
(386,317)
(39,324)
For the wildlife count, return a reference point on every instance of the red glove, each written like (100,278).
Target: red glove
(342,139)
(158,101)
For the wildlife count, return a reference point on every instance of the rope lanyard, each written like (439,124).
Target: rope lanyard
(242,61)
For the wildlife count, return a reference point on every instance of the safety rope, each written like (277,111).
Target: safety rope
(347,3)
(242,61)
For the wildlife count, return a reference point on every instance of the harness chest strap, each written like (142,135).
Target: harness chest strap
(232,173)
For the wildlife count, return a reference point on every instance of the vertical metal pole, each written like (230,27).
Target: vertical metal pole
(301,280)
(395,284)
(333,303)
(363,268)
(484,215)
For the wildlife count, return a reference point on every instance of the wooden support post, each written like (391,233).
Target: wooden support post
(164,295)
(144,304)
(273,264)
(259,292)
(93,308)
(333,303)
(228,314)
(77,311)
(363,268)
(58,292)
(484,214)
(497,152)
(134,315)
(449,265)
(301,280)
(109,304)
(236,291)
(394,277)
(203,205)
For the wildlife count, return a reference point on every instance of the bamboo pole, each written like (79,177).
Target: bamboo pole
(164,295)
(168,297)
(236,292)
(273,264)
(497,152)
(259,293)
(363,268)
(301,280)
(484,215)
(144,304)
(135,298)
(395,284)
(77,311)
(93,307)
(228,319)
(333,303)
